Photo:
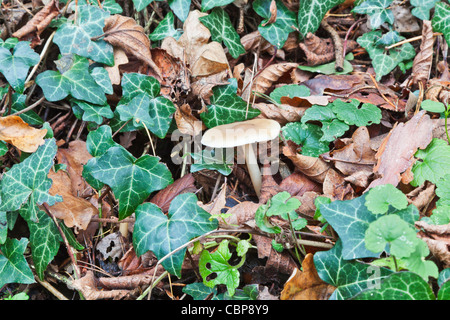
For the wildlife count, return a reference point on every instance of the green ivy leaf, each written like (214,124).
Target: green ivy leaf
(99,141)
(444,291)
(9,43)
(277,32)
(350,219)
(353,114)
(44,240)
(28,181)
(91,112)
(391,231)
(13,266)
(433,162)
(378,10)
(162,234)
(139,5)
(199,291)
(218,263)
(180,8)
(348,276)
(3,227)
(219,24)
(76,37)
(15,66)
(212,160)
(311,13)
(422,8)
(227,107)
(330,68)
(18,104)
(290,91)
(142,103)
(72,78)
(165,29)
(132,180)
(441,20)
(308,136)
(399,286)
(209,4)
(379,199)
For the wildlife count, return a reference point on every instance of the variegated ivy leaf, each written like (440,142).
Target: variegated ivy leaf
(142,105)
(378,10)
(132,180)
(441,20)
(27,182)
(108,5)
(422,8)
(91,112)
(76,37)
(277,32)
(165,29)
(15,66)
(162,234)
(141,4)
(227,107)
(73,78)
(311,13)
(219,24)
(210,4)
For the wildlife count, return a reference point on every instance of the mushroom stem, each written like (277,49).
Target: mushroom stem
(253,168)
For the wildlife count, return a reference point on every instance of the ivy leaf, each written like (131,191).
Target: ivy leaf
(101,77)
(393,231)
(353,114)
(444,291)
(277,32)
(378,10)
(180,8)
(350,219)
(139,5)
(99,141)
(379,199)
(44,240)
(212,160)
(219,24)
(422,8)
(441,19)
(142,103)
(199,291)
(330,68)
(72,78)
(91,112)
(399,286)
(308,136)
(348,276)
(209,4)
(132,180)
(311,13)
(15,66)
(433,162)
(13,266)
(76,37)
(218,263)
(165,29)
(162,234)
(28,181)
(227,107)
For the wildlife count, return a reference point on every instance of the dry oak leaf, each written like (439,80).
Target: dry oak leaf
(424,59)
(270,75)
(396,153)
(17,132)
(34,27)
(125,33)
(438,239)
(306,284)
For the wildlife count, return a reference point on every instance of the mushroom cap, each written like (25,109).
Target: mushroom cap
(241,133)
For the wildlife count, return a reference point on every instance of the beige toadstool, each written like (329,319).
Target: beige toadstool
(244,133)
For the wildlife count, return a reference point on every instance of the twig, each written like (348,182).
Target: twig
(435,34)
(118,130)
(381,93)
(51,288)
(31,107)
(338,47)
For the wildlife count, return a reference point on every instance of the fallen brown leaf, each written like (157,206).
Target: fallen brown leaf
(306,284)
(396,153)
(270,75)
(17,132)
(438,239)
(424,59)
(125,33)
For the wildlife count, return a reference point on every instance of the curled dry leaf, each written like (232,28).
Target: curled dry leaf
(270,75)
(306,284)
(125,33)
(273,13)
(333,83)
(17,132)
(186,122)
(396,153)
(438,239)
(424,59)
(120,58)
(305,102)
(34,27)
(283,113)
